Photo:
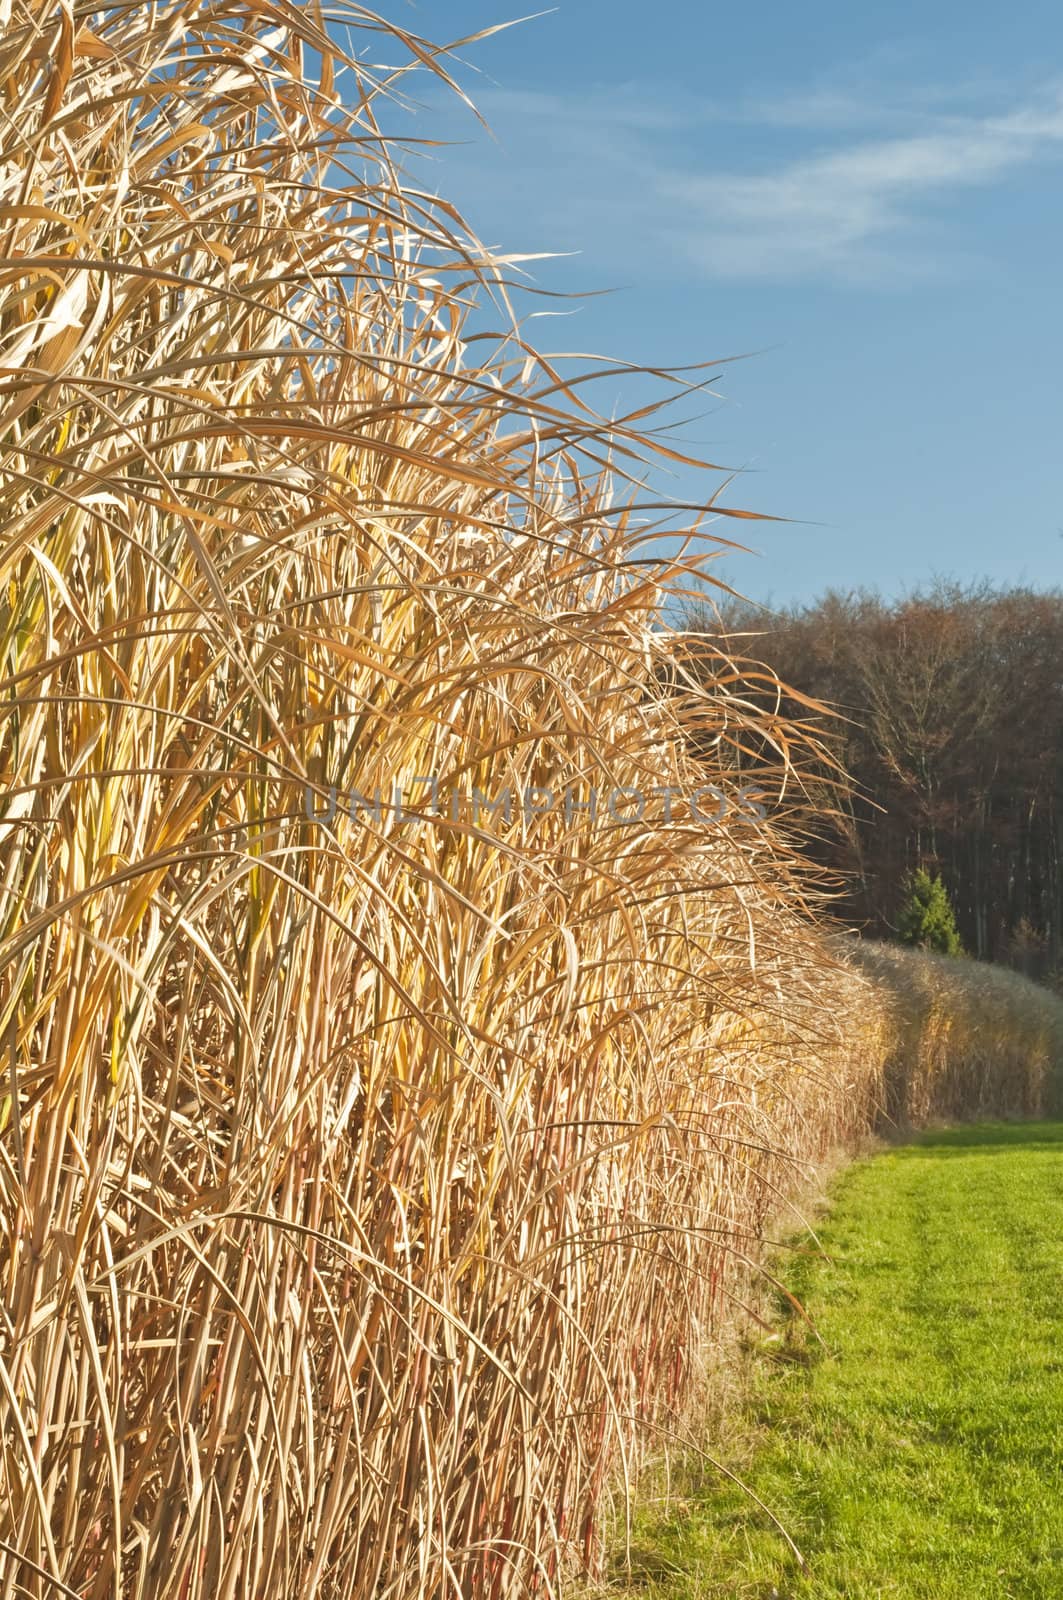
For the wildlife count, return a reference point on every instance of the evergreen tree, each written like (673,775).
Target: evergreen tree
(926,918)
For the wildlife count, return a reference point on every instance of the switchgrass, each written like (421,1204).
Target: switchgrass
(368,1181)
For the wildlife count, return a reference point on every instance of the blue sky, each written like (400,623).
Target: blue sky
(865,199)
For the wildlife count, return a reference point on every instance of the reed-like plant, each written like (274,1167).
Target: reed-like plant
(962,1039)
(368,1175)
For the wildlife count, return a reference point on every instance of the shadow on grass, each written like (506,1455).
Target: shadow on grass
(963,1138)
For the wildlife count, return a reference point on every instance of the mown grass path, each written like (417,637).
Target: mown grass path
(919,1452)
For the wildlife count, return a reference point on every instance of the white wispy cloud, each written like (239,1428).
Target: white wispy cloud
(835,208)
(830,184)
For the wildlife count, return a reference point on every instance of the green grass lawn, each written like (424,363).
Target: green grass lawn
(919,1452)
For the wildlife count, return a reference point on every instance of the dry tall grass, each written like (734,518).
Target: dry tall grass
(962,1039)
(366,1183)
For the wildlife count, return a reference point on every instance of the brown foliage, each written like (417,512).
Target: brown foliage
(950,722)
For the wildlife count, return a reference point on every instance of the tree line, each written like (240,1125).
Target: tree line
(947,713)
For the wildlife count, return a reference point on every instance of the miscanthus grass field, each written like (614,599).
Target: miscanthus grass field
(370,1186)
